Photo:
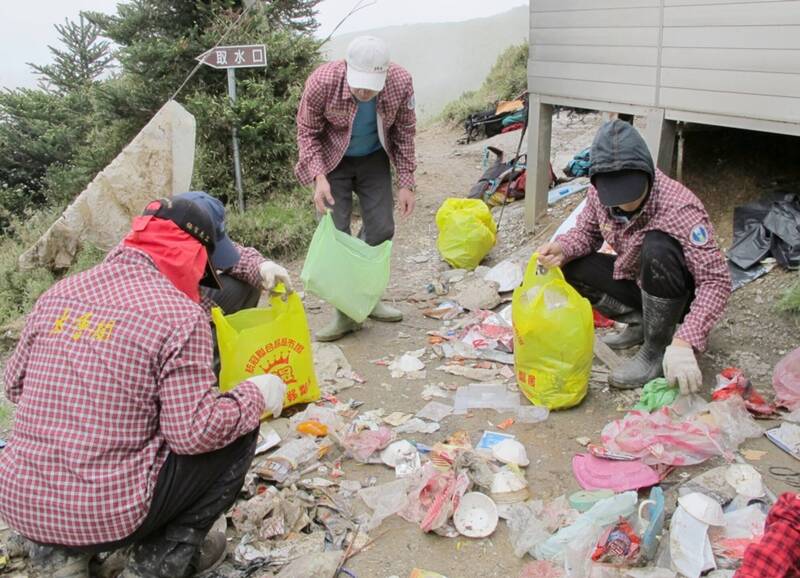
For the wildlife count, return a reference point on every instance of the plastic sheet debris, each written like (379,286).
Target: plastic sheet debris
(384,500)
(731,381)
(269,439)
(742,528)
(617,545)
(746,480)
(527,528)
(403,457)
(663,437)
(407,366)
(689,545)
(286,459)
(485,396)
(332,368)
(324,415)
(786,381)
(435,411)
(433,497)
(583,501)
(507,274)
(510,451)
(435,390)
(474,373)
(702,507)
(787,437)
(656,394)
(489,439)
(397,418)
(476,515)
(416,425)
(363,444)
(597,474)
(444,311)
(532,414)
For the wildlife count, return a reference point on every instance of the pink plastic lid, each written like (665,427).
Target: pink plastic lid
(597,474)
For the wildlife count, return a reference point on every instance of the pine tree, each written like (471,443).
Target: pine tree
(84,58)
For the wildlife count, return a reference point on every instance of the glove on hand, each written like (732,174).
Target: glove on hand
(272,274)
(273,390)
(680,368)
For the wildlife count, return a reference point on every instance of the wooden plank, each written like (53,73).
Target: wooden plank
(641,75)
(734,122)
(625,17)
(775,37)
(745,14)
(598,105)
(774,108)
(602,91)
(597,55)
(766,83)
(630,37)
(567,5)
(540,121)
(732,59)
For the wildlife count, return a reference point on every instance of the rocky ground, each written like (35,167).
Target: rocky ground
(752,336)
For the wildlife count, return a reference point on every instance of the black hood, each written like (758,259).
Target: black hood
(618,146)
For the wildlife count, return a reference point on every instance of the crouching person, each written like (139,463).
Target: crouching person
(120,437)
(667,270)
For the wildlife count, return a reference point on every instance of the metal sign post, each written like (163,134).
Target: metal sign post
(230,58)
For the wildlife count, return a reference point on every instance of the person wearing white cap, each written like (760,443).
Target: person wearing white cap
(355,121)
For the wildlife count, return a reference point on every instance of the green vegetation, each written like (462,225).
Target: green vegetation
(6,411)
(791,299)
(507,79)
(109,75)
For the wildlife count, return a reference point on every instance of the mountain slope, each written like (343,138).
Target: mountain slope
(445,59)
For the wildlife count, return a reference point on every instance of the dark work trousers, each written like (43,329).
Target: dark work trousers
(190,494)
(370,178)
(662,272)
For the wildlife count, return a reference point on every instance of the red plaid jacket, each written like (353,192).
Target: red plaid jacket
(113,371)
(675,210)
(325,122)
(777,555)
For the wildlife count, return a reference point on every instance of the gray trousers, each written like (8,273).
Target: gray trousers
(370,178)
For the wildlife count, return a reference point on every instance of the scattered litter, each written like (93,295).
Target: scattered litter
(786,381)
(317,564)
(618,545)
(506,423)
(510,451)
(403,457)
(485,396)
(489,439)
(288,458)
(787,437)
(434,390)
(753,455)
(420,573)
(563,191)
(541,569)
(476,515)
(363,444)
(408,366)
(742,527)
(332,368)
(312,428)
(397,418)
(656,394)
(703,508)
(473,373)
(731,381)
(689,545)
(532,414)
(746,480)
(385,500)
(583,501)
(597,474)
(583,441)
(416,425)
(269,440)
(507,274)
(444,311)
(435,411)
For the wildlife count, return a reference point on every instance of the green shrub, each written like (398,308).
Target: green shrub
(507,79)
(280,227)
(791,299)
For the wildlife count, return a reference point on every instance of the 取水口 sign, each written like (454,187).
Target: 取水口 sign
(244,56)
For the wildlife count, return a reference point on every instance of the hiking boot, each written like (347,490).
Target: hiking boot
(661,317)
(54,562)
(338,328)
(384,312)
(167,558)
(633,334)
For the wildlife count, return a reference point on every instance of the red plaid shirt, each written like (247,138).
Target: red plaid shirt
(777,555)
(325,122)
(675,210)
(113,371)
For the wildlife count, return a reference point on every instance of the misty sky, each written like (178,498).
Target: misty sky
(26,28)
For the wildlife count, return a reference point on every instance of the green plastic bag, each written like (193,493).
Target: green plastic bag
(345,271)
(656,394)
(553,338)
(467,232)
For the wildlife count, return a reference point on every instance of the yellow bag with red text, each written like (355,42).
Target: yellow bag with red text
(553,338)
(273,339)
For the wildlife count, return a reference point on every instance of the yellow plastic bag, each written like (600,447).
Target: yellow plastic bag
(553,339)
(272,339)
(467,232)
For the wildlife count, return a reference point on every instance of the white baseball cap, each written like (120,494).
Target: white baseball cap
(367,63)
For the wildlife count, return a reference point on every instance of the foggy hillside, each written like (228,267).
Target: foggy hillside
(446,59)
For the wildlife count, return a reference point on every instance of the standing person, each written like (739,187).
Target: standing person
(667,267)
(356,117)
(120,435)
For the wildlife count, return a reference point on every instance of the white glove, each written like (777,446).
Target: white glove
(273,390)
(272,274)
(680,368)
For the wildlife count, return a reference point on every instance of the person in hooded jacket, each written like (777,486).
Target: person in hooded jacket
(121,437)
(666,270)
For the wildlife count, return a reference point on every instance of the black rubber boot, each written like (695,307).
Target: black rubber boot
(633,334)
(180,553)
(56,562)
(661,317)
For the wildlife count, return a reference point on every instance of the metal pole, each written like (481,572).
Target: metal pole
(237,165)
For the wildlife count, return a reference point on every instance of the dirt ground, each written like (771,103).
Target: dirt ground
(752,336)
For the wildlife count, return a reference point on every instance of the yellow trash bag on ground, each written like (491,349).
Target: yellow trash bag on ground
(467,232)
(272,339)
(553,339)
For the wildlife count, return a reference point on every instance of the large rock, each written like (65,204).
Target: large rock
(157,163)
